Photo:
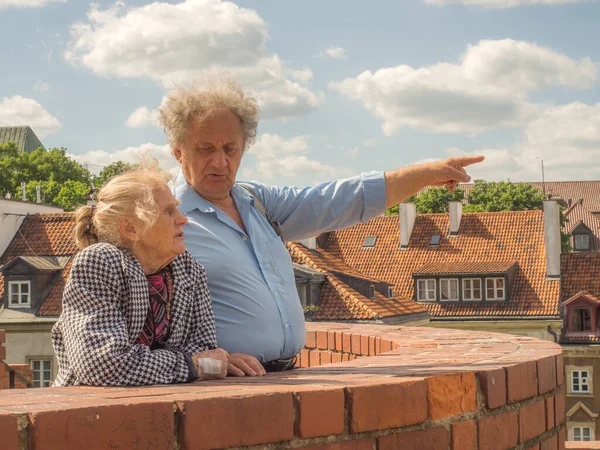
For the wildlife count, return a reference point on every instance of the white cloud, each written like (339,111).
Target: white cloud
(142,117)
(130,155)
(566,137)
(488,89)
(27,3)
(167,42)
(20,111)
(41,86)
(336,53)
(503,3)
(288,158)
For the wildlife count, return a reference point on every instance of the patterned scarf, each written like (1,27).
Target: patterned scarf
(156,328)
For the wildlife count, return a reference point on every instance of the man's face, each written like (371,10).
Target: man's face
(211,154)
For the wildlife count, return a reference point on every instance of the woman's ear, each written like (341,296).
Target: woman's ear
(128,229)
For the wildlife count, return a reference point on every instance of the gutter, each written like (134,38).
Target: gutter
(492,319)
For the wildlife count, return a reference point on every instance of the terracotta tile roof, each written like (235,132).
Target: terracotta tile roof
(489,237)
(465,267)
(580,272)
(47,234)
(338,301)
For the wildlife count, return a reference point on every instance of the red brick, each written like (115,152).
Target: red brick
(386,345)
(560,371)
(430,439)
(345,357)
(464,436)
(493,387)
(559,408)
(326,357)
(2,336)
(395,345)
(315,358)
(222,422)
(546,368)
(363,444)
(2,353)
(450,395)
(532,420)
(331,340)
(377,345)
(311,339)
(550,418)
(521,381)
(336,358)
(322,340)
(371,346)
(319,413)
(9,434)
(347,343)
(550,444)
(339,338)
(304,358)
(498,432)
(355,339)
(364,345)
(383,406)
(562,437)
(101,427)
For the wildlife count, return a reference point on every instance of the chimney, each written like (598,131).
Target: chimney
(310,243)
(552,238)
(38,193)
(407,213)
(455,209)
(24,191)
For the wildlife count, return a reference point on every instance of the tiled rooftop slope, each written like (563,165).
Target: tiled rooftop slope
(398,388)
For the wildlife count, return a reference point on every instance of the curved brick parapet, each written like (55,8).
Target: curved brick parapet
(389,388)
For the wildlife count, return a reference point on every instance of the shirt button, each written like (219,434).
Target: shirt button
(245,238)
(287,325)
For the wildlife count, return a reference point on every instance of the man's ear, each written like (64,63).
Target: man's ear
(177,153)
(128,229)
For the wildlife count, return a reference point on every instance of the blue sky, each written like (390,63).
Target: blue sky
(345,86)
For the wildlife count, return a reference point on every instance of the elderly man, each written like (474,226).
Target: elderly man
(257,310)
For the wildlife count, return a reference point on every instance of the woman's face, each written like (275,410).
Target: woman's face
(211,154)
(163,241)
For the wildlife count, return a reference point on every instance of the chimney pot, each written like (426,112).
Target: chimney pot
(552,238)
(310,243)
(455,210)
(407,213)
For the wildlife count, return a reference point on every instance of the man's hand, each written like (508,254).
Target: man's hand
(402,183)
(241,365)
(449,172)
(211,364)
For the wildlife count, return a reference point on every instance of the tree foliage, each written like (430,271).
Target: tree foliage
(112,170)
(433,200)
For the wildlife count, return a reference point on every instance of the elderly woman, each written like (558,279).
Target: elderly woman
(235,228)
(136,308)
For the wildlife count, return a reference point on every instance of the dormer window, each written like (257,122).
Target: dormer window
(426,290)
(472,289)
(449,289)
(19,294)
(581,242)
(495,289)
(582,320)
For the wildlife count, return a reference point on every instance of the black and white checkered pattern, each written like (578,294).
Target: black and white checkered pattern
(105,304)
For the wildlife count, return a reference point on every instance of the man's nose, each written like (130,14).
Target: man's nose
(219,160)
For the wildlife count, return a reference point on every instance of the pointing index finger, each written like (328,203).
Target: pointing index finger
(464,161)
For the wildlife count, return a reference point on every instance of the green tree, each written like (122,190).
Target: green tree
(71,195)
(433,200)
(503,196)
(112,170)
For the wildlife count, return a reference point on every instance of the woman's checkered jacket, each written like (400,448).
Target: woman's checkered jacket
(105,304)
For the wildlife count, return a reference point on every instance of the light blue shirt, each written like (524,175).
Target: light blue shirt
(250,276)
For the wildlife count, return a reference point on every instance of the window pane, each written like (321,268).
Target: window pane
(422,294)
(586,433)
(454,289)
(490,283)
(576,433)
(444,289)
(14,299)
(24,288)
(577,320)
(431,284)
(477,284)
(477,293)
(499,293)
(36,365)
(490,293)
(500,283)
(24,299)
(587,320)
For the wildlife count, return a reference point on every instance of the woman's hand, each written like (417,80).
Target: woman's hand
(211,364)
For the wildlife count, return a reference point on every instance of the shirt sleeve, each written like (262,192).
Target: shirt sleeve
(95,331)
(307,212)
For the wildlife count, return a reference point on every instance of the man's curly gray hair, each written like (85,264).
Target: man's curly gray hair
(198,99)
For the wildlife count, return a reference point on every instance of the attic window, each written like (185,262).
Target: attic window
(372,292)
(435,240)
(369,241)
(582,242)
(19,294)
(390,292)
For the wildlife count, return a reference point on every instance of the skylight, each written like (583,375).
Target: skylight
(435,240)
(369,241)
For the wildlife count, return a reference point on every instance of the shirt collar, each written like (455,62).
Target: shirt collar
(191,200)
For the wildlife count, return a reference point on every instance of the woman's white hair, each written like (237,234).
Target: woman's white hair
(197,99)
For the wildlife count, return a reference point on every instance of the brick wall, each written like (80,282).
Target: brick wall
(23,369)
(395,388)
